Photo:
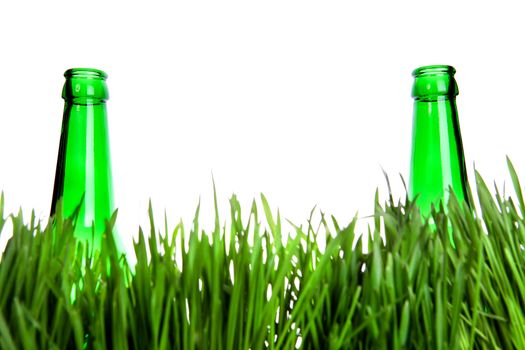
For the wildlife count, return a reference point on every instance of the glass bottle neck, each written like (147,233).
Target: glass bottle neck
(84,101)
(436,107)
(436,98)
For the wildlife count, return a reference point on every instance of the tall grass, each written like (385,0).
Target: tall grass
(243,287)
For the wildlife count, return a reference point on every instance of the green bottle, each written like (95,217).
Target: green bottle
(437,153)
(83,172)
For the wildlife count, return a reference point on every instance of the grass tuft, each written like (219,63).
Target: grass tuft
(242,287)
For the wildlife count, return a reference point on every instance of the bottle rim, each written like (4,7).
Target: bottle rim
(85,73)
(434,70)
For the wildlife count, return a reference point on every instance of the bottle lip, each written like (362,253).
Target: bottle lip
(435,69)
(91,73)
(84,84)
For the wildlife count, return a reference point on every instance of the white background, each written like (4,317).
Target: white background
(304,101)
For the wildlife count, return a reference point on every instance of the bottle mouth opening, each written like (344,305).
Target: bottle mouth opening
(433,70)
(89,73)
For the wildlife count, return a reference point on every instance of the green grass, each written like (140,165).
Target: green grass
(243,287)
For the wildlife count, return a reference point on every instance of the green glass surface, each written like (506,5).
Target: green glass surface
(437,153)
(83,173)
